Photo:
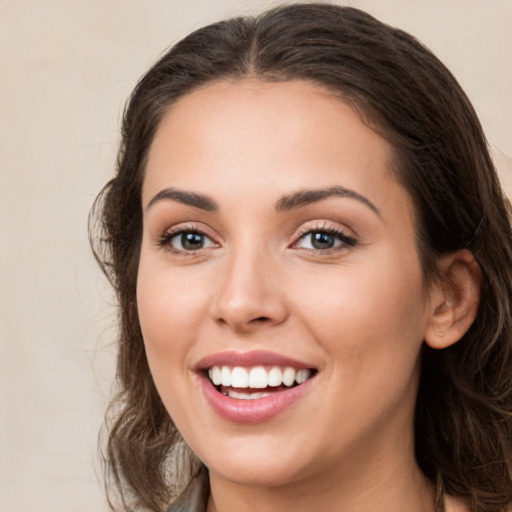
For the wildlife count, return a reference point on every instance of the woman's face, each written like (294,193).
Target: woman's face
(277,245)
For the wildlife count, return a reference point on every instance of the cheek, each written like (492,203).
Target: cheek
(171,307)
(168,298)
(170,310)
(371,315)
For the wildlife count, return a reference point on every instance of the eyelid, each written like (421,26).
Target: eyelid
(347,240)
(164,240)
(323,225)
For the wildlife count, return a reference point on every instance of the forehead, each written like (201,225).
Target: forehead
(251,136)
(299,111)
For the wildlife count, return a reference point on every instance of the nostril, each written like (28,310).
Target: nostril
(261,319)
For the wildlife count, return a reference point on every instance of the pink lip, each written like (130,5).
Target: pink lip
(253,358)
(259,409)
(252,411)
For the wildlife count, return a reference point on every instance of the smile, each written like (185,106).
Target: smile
(253,387)
(239,382)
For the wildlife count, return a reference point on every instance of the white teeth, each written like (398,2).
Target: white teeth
(215,375)
(257,377)
(233,393)
(275,377)
(302,376)
(225,376)
(288,376)
(239,377)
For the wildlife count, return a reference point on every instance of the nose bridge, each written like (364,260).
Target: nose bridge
(249,292)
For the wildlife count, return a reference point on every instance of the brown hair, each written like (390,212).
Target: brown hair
(463,414)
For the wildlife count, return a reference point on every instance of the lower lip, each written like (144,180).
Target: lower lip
(253,411)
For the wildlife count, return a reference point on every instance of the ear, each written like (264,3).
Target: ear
(454,299)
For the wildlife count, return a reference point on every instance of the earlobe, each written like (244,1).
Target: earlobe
(454,299)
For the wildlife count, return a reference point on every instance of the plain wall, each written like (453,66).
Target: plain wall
(66,68)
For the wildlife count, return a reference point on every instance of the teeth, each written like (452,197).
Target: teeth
(215,375)
(288,376)
(233,393)
(275,377)
(239,377)
(302,376)
(257,377)
(225,376)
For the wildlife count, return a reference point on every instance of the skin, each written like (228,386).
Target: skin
(357,313)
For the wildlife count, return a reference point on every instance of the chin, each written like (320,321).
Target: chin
(257,473)
(265,461)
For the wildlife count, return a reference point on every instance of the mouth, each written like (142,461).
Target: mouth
(252,383)
(253,387)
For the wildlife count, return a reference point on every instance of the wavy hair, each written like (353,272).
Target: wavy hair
(463,426)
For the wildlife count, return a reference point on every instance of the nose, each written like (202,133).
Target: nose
(249,295)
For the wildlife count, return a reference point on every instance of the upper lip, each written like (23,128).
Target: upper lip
(252,358)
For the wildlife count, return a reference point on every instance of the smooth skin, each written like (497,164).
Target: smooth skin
(335,282)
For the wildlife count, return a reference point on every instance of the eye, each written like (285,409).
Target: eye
(324,240)
(186,240)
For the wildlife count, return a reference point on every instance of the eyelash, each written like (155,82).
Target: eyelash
(165,241)
(346,241)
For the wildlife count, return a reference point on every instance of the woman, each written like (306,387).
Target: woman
(312,256)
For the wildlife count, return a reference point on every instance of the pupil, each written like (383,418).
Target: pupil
(192,241)
(322,240)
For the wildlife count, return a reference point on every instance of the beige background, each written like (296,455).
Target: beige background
(66,68)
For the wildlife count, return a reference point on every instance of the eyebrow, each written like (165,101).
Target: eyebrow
(189,198)
(285,203)
(306,197)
